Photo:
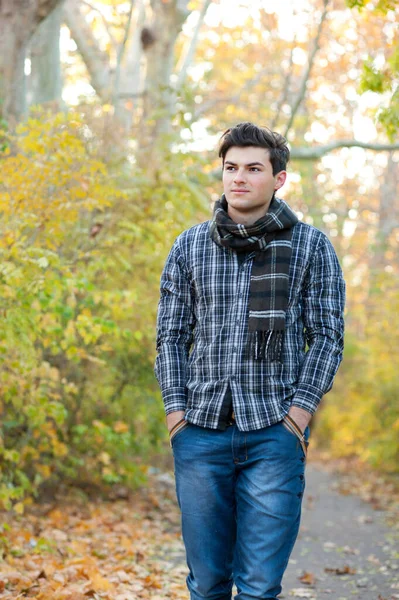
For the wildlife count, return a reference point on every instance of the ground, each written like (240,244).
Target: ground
(130,549)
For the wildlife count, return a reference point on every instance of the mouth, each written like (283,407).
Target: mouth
(239,191)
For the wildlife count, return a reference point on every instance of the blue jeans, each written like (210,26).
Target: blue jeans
(240,495)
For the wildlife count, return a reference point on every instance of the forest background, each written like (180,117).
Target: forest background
(110,116)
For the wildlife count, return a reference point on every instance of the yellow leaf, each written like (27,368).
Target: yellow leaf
(121,427)
(105,458)
(19,508)
(100,583)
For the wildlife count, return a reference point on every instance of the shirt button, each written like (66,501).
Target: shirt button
(235,349)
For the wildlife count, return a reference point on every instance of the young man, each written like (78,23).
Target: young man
(242,296)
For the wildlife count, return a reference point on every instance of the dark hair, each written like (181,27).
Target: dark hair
(248,134)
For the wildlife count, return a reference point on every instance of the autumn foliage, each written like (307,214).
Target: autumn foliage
(64,344)
(84,235)
(81,248)
(361,416)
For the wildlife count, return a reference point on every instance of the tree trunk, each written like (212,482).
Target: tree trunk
(18,21)
(388,215)
(45,79)
(129,96)
(159,97)
(189,56)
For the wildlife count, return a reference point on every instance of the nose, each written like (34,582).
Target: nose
(239,176)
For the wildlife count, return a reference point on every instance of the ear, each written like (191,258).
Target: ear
(280,180)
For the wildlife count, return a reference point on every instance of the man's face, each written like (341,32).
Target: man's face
(248,180)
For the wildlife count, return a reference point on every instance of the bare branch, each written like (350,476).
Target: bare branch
(249,84)
(193,46)
(104,20)
(305,77)
(121,51)
(318,151)
(285,90)
(132,71)
(97,61)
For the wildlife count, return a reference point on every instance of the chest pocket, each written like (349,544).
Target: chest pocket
(214,290)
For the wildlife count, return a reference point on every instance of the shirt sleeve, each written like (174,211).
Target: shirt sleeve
(324,300)
(175,324)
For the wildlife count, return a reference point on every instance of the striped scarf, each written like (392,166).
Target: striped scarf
(270,238)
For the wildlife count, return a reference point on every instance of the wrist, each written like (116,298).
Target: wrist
(301,417)
(173,418)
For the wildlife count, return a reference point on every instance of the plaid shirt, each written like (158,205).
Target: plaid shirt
(203,331)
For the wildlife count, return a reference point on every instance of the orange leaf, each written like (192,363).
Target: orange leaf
(346,570)
(307,578)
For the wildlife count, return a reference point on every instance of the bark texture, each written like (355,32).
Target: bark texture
(18,21)
(46,80)
(159,96)
(130,92)
(388,214)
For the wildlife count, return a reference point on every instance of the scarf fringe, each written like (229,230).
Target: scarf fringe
(266,344)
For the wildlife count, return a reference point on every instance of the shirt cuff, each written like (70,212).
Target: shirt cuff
(174,399)
(307,397)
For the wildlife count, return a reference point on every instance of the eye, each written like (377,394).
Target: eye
(229,168)
(255,169)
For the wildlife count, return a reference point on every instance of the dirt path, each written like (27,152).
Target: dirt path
(344,544)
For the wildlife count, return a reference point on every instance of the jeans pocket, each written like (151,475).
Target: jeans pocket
(176,429)
(291,426)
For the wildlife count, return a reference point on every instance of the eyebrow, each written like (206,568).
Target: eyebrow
(252,164)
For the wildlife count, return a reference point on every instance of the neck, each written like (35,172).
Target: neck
(246,218)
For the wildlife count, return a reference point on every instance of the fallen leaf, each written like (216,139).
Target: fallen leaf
(373,559)
(349,550)
(302,593)
(329,545)
(346,570)
(152,581)
(364,519)
(307,578)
